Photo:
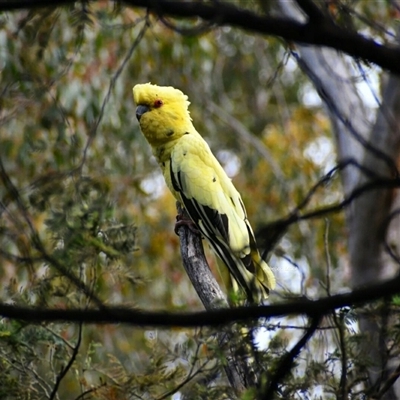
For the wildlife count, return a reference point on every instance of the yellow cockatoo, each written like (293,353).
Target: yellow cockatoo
(198,181)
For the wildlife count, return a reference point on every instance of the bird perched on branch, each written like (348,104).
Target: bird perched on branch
(198,181)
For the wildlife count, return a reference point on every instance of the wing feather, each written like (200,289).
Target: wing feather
(196,175)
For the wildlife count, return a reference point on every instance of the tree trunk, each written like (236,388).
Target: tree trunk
(374,145)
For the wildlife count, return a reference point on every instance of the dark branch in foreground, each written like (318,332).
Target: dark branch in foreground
(121,315)
(321,31)
(287,361)
(65,369)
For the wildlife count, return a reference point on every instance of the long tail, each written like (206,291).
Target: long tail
(251,273)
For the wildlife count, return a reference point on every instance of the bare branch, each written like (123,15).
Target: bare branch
(333,106)
(322,34)
(271,233)
(287,361)
(213,298)
(199,272)
(91,390)
(64,371)
(218,317)
(118,72)
(313,12)
(388,384)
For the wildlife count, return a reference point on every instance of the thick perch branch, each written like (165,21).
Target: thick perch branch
(199,272)
(212,297)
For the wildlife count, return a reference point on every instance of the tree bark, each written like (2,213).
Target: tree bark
(239,372)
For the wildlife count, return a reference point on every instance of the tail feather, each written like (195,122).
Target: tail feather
(255,284)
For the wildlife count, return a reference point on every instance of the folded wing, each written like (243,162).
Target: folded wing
(215,206)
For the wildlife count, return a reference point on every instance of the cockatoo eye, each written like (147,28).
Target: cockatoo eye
(158,103)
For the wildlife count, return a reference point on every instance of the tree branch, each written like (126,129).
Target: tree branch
(272,232)
(226,14)
(219,317)
(388,384)
(197,268)
(313,12)
(65,369)
(213,298)
(287,361)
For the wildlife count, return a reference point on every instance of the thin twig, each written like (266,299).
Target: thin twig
(93,131)
(339,323)
(333,107)
(388,383)
(91,390)
(189,378)
(287,361)
(328,258)
(271,233)
(64,371)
